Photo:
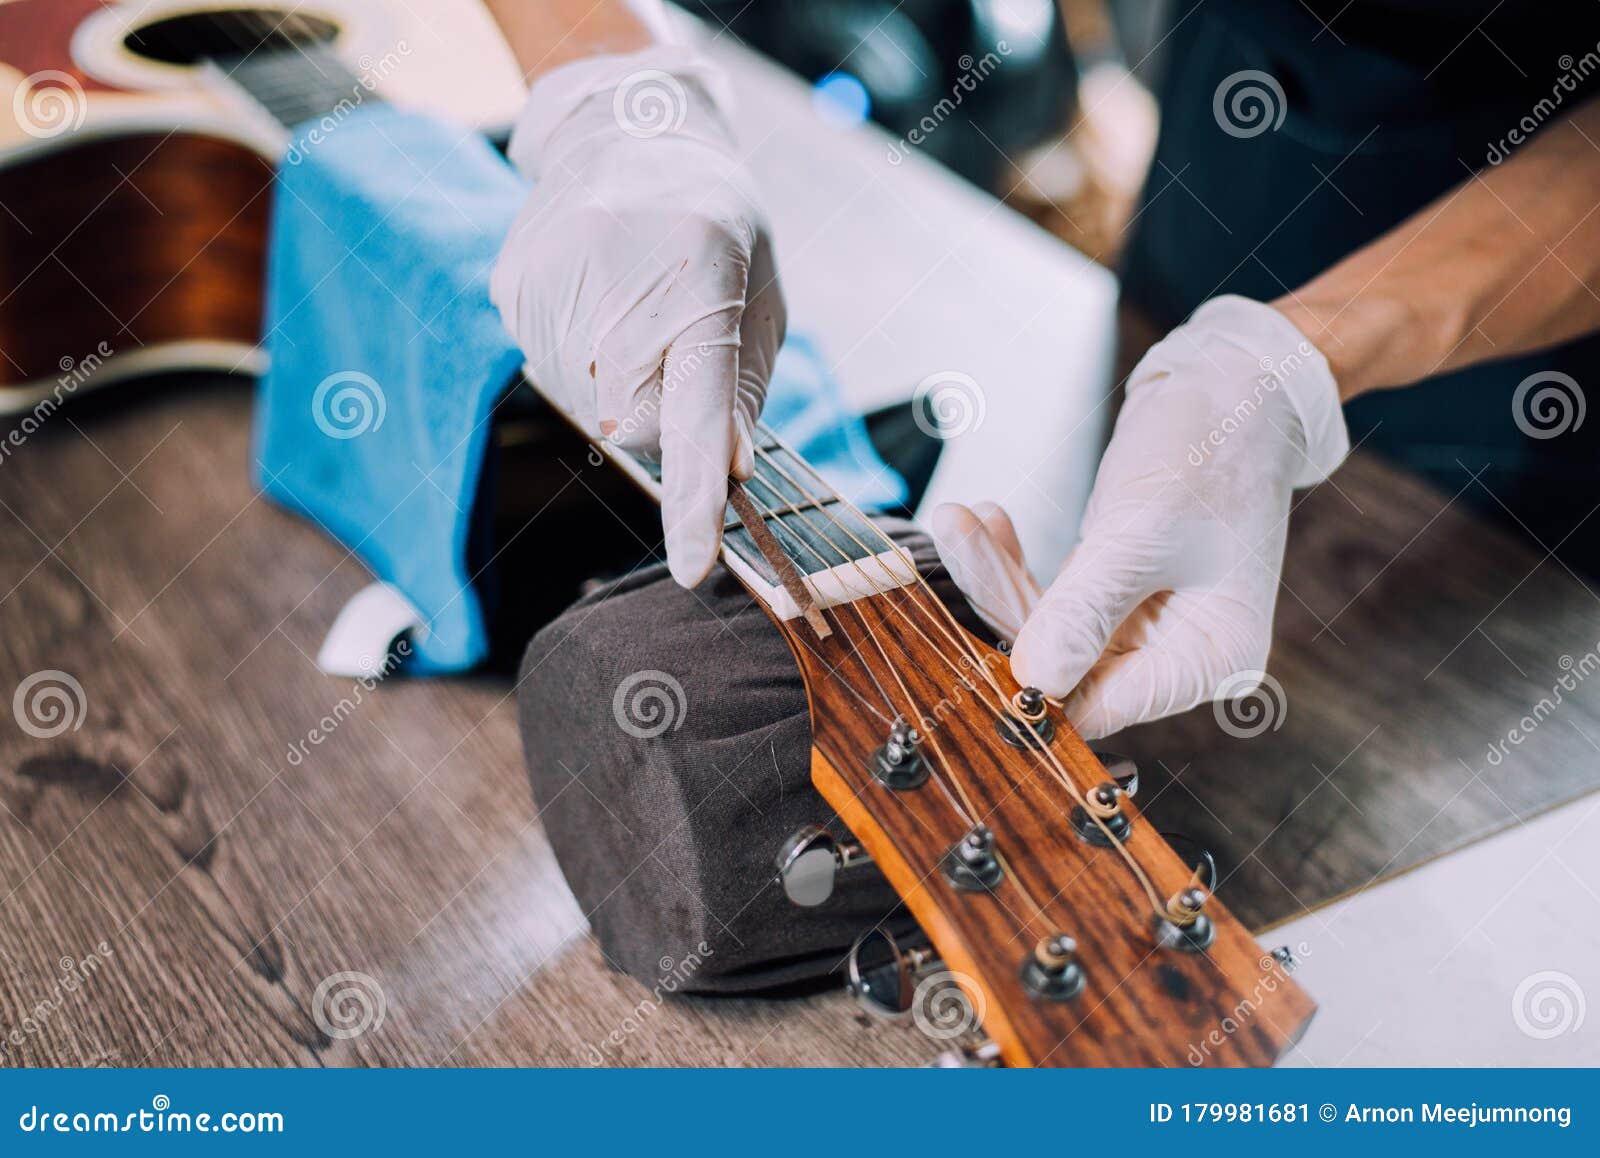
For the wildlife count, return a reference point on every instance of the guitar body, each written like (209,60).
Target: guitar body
(138,177)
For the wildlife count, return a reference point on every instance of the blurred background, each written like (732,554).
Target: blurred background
(1044,103)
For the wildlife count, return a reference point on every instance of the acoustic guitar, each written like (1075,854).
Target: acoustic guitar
(138,143)
(1053,915)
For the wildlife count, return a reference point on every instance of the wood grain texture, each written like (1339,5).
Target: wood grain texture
(229,883)
(1141,1004)
(113,244)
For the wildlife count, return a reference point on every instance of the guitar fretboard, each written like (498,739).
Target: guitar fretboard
(841,554)
(296,83)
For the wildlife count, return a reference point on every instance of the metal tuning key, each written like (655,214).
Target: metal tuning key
(899,764)
(1121,769)
(882,974)
(984,1055)
(810,862)
(1027,725)
(1100,819)
(1194,854)
(1186,928)
(1052,971)
(971,865)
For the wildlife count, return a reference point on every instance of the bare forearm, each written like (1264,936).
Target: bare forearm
(1506,263)
(545,34)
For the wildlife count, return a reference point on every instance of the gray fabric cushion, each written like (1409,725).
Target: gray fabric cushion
(669,840)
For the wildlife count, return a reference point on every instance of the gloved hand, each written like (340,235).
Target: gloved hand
(639,278)
(1167,599)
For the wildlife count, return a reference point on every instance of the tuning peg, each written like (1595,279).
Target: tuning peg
(1195,855)
(899,764)
(810,862)
(1027,725)
(1101,814)
(1186,928)
(882,973)
(1052,971)
(981,1056)
(1122,770)
(972,865)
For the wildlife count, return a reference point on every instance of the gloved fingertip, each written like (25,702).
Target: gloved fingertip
(952,522)
(744,448)
(1038,663)
(689,569)
(1089,722)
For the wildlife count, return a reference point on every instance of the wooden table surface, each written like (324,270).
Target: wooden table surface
(179,885)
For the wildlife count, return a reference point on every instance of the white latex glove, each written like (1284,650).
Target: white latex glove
(639,277)
(1167,599)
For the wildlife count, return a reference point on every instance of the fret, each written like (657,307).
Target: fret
(295,83)
(818,539)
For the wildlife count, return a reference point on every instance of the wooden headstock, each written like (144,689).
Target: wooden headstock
(1145,998)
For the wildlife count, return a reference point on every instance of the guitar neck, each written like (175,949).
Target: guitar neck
(296,83)
(838,554)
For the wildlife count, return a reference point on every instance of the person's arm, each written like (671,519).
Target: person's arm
(1506,263)
(1167,601)
(545,34)
(639,278)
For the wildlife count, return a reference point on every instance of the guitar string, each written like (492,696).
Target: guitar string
(1162,909)
(966,811)
(1046,757)
(768,512)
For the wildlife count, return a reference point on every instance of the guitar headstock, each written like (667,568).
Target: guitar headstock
(1080,936)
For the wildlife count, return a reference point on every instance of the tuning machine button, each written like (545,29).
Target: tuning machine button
(1052,971)
(810,862)
(981,1056)
(1186,928)
(1194,854)
(1122,770)
(1027,725)
(899,764)
(882,974)
(1100,819)
(972,864)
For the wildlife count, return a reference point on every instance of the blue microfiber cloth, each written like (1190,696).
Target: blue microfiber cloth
(387,360)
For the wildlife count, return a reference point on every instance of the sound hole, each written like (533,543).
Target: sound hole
(192,37)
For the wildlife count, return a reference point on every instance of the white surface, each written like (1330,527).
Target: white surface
(905,271)
(1426,969)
